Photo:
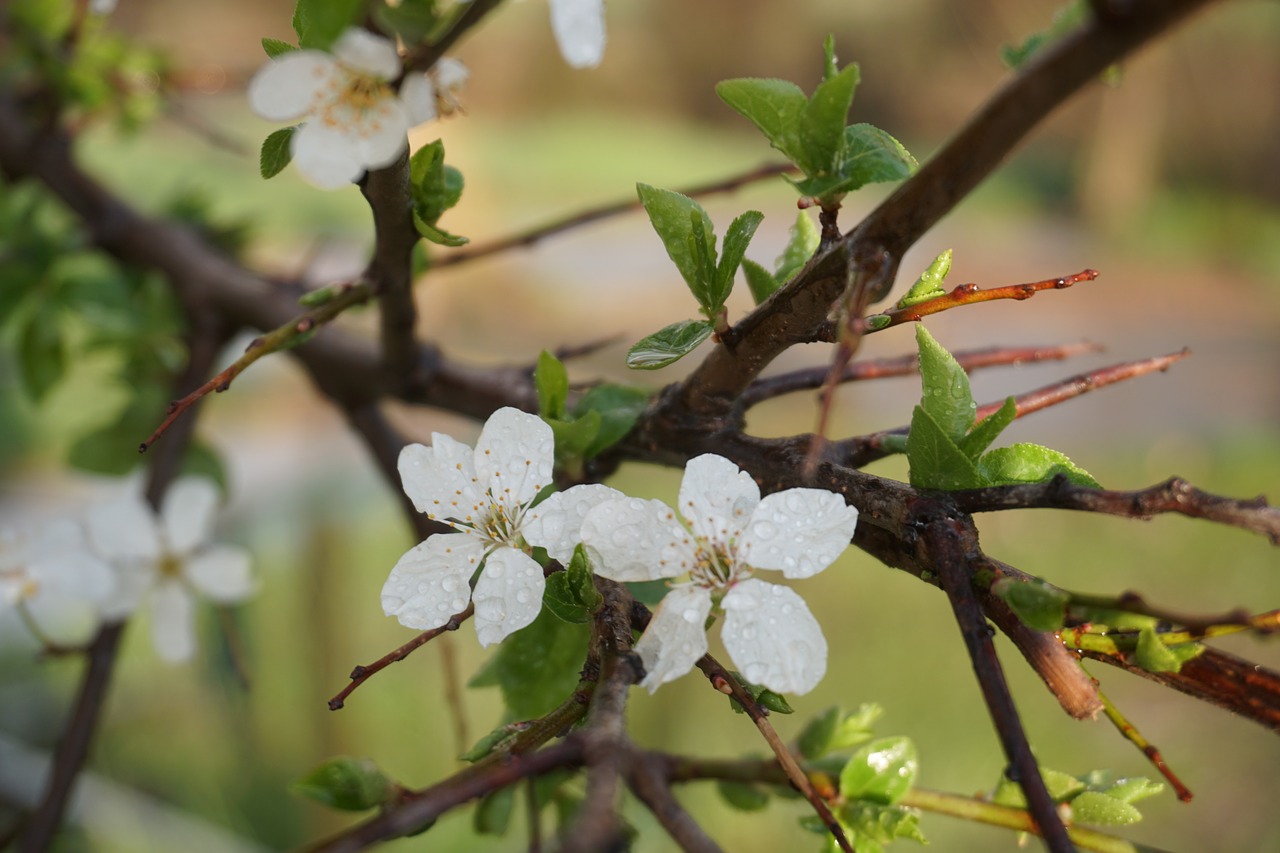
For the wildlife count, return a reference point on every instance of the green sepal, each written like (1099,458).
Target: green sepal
(493,813)
(760,281)
(619,406)
(743,796)
(989,428)
(349,784)
(551,381)
(318,23)
(1030,463)
(276,47)
(929,284)
(536,667)
(668,345)
(881,772)
(275,153)
(1040,606)
(935,460)
(571,595)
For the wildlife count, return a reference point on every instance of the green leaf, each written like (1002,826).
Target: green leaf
(1040,606)
(822,124)
(872,156)
(1030,463)
(760,281)
(774,106)
(571,595)
(536,667)
(743,796)
(412,20)
(1067,18)
(436,187)
(276,47)
(929,284)
(350,784)
(936,462)
(620,406)
(855,728)
(801,245)
(438,235)
(882,771)
(667,345)
(552,383)
(736,240)
(1133,789)
(947,397)
(870,825)
(275,153)
(202,460)
(835,730)
(318,23)
(42,357)
(1098,809)
(1061,787)
(989,428)
(815,740)
(1153,655)
(673,216)
(493,813)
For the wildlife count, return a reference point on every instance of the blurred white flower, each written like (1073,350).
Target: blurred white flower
(164,560)
(48,575)
(485,495)
(355,119)
(579,29)
(768,631)
(102,7)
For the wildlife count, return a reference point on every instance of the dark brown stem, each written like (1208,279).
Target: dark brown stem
(652,787)
(536,235)
(390,269)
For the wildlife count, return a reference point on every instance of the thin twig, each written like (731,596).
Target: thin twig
(1130,733)
(363,673)
(969,294)
(653,788)
(604,211)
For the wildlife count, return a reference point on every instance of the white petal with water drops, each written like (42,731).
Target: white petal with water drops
(430,583)
(440,479)
(637,540)
(798,532)
(508,595)
(717,498)
(514,455)
(676,637)
(556,523)
(773,638)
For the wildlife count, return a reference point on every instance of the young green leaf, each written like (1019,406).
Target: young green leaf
(989,428)
(1065,19)
(871,826)
(691,249)
(946,398)
(276,47)
(1098,809)
(736,240)
(1030,463)
(318,23)
(872,156)
(551,381)
(814,741)
(493,813)
(436,235)
(1040,606)
(1133,789)
(936,461)
(275,153)
(436,187)
(573,438)
(822,124)
(571,594)
(412,20)
(1154,656)
(774,106)
(619,407)
(760,281)
(536,667)
(743,796)
(1061,787)
(929,284)
(668,344)
(802,243)
(881,772)
(350,784)
(42,356)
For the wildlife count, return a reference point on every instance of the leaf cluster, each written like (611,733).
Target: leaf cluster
(1095,798)
(598,419)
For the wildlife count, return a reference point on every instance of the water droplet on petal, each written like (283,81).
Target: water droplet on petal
(522,596)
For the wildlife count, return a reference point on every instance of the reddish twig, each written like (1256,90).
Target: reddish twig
(969,294)
(586,217)
(289,335)
(363,673)
(811,378)
(1175,495)
(1131,734)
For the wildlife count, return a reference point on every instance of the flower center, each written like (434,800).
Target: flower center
(170,567)
(363,92)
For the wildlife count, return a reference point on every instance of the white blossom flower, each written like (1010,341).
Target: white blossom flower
(164,561)
(768,631)
(102,7)
(355,119)
(485,495)
(579,29)
(51,578)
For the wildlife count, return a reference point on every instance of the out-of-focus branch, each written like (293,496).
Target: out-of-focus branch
(390,269)
(653,788)
(537,234)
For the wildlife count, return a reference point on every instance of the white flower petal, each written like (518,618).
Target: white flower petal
(556,523)
(65,620)
(441,479)
(221,573)
(508,594)
(418,94)
(132,582)
(717,498)
(188,512)
(286,88)
(450,74)
(173,629)
(772,637)
(514,456)
(379,133)
(363,51)
(637,540)
(327,157)
(676,637)
(579,29)
(798,532)
(124,530)
(430,583)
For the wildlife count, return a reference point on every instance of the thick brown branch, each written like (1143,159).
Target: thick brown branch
(390,269)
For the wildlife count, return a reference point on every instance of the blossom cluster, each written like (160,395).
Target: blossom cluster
(489,496)
(66,578)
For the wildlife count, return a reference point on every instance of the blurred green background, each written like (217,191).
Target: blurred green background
(1166,183)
